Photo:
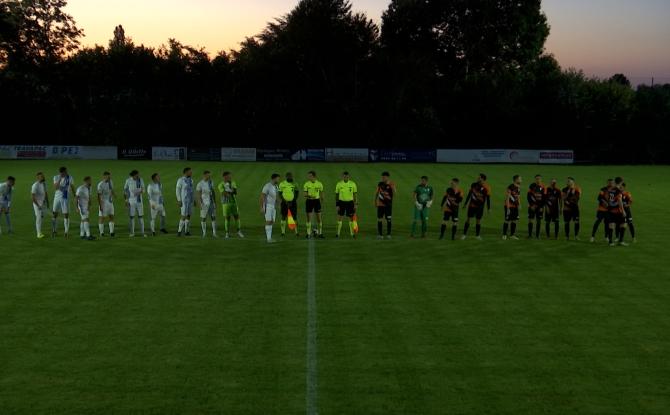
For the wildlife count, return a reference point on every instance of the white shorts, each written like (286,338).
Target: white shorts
(208,210)
(187,208)
(60,205)
(107,209)
(136,209)
(83,211)
(270,213)
(157,209)
(39,211)
(4,205)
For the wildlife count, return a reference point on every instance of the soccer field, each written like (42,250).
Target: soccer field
(407,326)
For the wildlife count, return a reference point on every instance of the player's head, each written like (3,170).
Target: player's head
(155,178)
(134,174)
(610,182)
(106,176)
(40,176)
(206,174)
(311,175)
(275,178)
(63,171)
(571,181)
(345,176)
(11,180)
(481,178)
(618,181)
(188,172)
(87,180)
(227,175)
(455,182)
(289,177)
(516,179)
(553,182)
(538,178)
(385,176)
(424,180)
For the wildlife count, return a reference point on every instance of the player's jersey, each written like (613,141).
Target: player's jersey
(270,191)
(345,191)
(313,189)
(479,194)
(155,192)
(5,192)
(206,189)
(627,199)
(105,190)
(133,189)
(64,184)
(513,199)
(603,199)
(452,199)
(385,193)
(571,198)
(614,197)
(84,195)
(184,190)
(536,194)
(39,190)
(424,194)
(228,192)
(288,190)
(552,198)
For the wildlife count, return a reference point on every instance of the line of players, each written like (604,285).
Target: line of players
(544,203)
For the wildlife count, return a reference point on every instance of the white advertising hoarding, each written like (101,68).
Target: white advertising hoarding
(168,153)
(505,156)
(238,154)
(347,154)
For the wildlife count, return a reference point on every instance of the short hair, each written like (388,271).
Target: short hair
(274,176)
(153,176)
(134,173)
(618,180)
(207,172)
(571,178)
(312,172)
(87,178)
(483,176)
(424,177)
(62,169)
(39,173)
(345,173)
(386,174)
(455,180)
(226,173)
(515,177)
(610,180)
(186,169)
(538,175)
(106,173)
(11,179)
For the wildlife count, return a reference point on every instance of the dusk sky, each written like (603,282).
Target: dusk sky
(599,36)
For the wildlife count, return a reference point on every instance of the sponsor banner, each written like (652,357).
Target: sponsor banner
(134,153)
(24,152)
(274,154)
(347,154)
(168,153)
(64,152)
(99,153)
(309,154)
(503,156)
(238,154)
(557,157)
(204,154)
(58,152)
(7,152)
(418,156)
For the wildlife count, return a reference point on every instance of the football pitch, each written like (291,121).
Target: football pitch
(405,326)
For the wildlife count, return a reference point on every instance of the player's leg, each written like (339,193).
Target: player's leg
(538,222)
(319,220)
(203,219)
(380,219)
(388,212)
(269,221)
(415,221)
(629,223)
(506,223)
(478,227)
(308,219)
(350,215)
(131,222)
(153,212)
(466,227)
(212,218)
(39,215)
(445,222)
(622,232)
(66,221)
(531,221)
(8,220)
(294,211)
(139,210)
(424,221)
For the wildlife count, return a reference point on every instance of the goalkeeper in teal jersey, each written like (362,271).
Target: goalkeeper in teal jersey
(423,200)
(228,190)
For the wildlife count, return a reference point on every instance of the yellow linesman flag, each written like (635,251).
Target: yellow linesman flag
(355,222)
(291,221)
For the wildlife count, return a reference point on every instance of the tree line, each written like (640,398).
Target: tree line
(433,73)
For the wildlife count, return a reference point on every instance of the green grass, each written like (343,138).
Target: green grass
(168,326)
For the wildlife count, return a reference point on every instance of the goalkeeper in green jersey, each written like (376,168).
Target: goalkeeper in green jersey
(423,199)
(228,190)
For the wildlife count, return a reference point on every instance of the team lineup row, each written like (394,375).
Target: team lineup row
(546,203)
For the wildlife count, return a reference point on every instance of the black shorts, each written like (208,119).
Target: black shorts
(552,215)
(512,214)
(285,206)
(571,215)
(616,218)
(450,215)
(600,215)
(476,212)
(346,208)
(535,213)
(384,212)
(313,205)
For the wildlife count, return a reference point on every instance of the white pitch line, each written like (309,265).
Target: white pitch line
(312,383)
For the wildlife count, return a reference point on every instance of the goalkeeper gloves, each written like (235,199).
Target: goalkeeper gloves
(429,204)
(419,206)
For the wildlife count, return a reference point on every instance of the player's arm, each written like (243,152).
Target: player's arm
(77,200)
(99,191)
(444,201)
(198,196)
(178,193)
(56,184)
(468,197)
(261,202)
(34,196)
(126,194)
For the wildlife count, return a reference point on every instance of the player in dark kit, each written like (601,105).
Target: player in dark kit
(627,202)
(512,206)
(552,208)
(602,212)
(571,195)
(384,203)
(451,203)
(478,196)
(616,214)
(536,193)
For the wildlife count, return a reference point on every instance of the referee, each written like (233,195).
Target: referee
(346,201)
(288,192)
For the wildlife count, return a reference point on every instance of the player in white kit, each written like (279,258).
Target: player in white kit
(185,201)
(64,187)
(268,204)
(133,191)
(83,198)
(155,192)
(40,202)
(106,202)
(205,197)
(6,189)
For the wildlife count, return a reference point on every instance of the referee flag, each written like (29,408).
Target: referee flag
(355,223)
(291,222)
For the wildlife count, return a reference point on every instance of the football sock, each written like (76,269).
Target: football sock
(538,226)
(505,227)
(141,225)
(203,225)
(414,228)
(131,224)
(339,227)
(66,223)
(547,228)
(631,227)
(162,222)
(513,228)
(577,229)
(187,225)
(622,234)
(101,228)
(556,226)
(226,224)
(478,229)
(309,228)
(111,227)
(87,229)
(389,225)
(239,225)
(181,225)
(443,229)
(530,229)
(283,227)
(152,225)
(214,227)
(380,228)
(595,228)
(424,227)
(38,224)
(81,228)
(351,228)
(53,225)
(320,228)
(466,227)
(9,222)
(567,229)
(268,232)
